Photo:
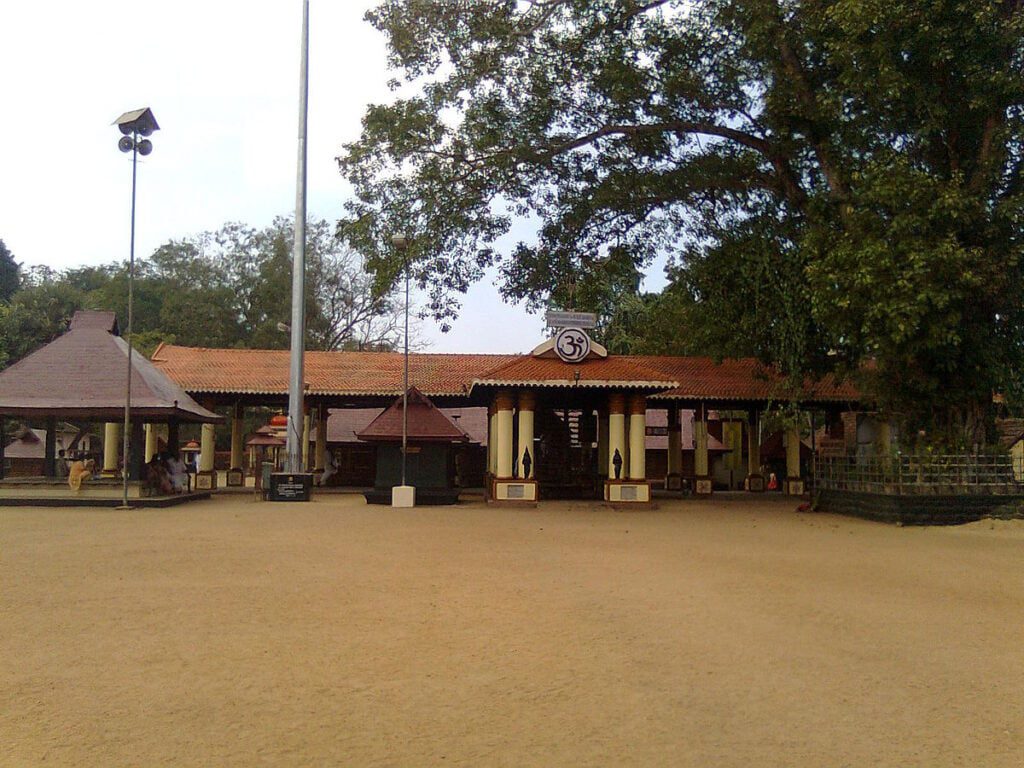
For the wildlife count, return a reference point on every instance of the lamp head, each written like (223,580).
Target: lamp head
(140,121)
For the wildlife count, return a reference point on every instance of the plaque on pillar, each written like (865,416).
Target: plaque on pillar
(235,478)
(755,483)
(793,487)
(674,482)
(206,481)
(703,486)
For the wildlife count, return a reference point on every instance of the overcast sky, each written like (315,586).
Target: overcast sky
(221,77)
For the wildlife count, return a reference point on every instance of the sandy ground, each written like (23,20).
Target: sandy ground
(704,633)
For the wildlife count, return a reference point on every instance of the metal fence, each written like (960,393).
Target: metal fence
(904,474)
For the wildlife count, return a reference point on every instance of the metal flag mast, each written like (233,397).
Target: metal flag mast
(296,410)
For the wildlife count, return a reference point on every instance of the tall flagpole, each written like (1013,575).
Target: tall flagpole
(296,411)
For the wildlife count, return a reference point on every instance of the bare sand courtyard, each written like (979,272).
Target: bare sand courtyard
(702,633)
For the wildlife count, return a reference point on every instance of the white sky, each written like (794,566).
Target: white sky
(221,77)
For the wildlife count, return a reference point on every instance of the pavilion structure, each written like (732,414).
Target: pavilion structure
(81,377)
(557,428)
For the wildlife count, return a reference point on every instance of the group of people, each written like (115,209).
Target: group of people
(166,474)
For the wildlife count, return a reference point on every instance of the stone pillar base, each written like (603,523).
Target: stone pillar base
(403,496)
(754,483)
(793,486)
(514,489)
(703,486)
(627,491)
(206,481)
(674,482)
(236,478)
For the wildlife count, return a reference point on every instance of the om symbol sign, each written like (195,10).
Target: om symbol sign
(572,345)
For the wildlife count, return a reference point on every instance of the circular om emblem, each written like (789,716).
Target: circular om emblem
(572,345)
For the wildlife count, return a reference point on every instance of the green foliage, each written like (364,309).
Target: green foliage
(229,288)
(10,273)
(837,184)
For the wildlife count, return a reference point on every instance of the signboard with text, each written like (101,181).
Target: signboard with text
(558,319)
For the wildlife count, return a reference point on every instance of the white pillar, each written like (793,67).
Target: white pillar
(527,406)
(637,437)
(111,447)
(617,434)
(755,481)
(503,404)
(793,453)
(207,446)
(150,441)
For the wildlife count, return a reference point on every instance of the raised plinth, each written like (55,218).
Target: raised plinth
(403,496)
(627,491)
(514,489)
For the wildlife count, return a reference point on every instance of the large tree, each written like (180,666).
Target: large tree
(10,273)
(837,182)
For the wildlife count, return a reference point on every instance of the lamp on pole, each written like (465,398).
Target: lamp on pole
(135,126)
(407,497)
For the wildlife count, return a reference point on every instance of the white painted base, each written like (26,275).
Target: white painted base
(627,491)
(403,496)
(515,490)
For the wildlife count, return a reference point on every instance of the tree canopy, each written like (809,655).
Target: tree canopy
(10,273)
(229,288)
(837,183)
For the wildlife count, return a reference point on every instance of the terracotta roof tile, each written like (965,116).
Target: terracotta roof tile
(261,371)
(614,371)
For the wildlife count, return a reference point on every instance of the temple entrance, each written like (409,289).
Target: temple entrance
(566,447)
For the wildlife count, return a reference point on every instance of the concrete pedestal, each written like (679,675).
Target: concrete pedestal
(403,496)
(703,486)
(754,483)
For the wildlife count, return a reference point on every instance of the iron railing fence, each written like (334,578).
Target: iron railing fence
(931,474)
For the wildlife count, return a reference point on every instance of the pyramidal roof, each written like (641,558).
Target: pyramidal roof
(426,423)
(82,374)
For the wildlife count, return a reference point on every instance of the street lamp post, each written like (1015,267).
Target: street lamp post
(404,495)
(135,126)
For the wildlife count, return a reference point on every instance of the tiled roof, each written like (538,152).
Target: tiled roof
(82,375)
(262,371)
(615,371)
(737,379)
(425,423)
(265,372)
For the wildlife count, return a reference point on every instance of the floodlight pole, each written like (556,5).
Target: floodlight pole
(131,296)
(296,411)
(405,376)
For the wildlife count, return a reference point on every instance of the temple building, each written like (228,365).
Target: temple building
(567,420)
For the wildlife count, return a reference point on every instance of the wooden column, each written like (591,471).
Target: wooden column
(237,437)
(111,447)
(701,469)
(527,406)
(673,479)
(306,424)
(321,439)
(503,404)
(50,448)
(173,439)
(136,451)
(602,442)
(617,434)
(637,437)
(755,480)
(794,482)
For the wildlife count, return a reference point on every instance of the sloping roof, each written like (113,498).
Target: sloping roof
(82,375)
(737,379)
(262,371)
(618,372)
(265,372)
(95,318)
(343,424)
(426,423)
